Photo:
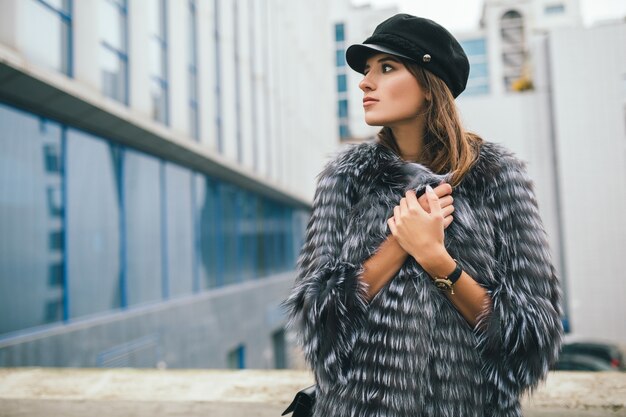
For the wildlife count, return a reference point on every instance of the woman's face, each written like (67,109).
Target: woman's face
(396,95)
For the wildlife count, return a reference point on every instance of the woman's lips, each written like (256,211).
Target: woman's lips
(369,102)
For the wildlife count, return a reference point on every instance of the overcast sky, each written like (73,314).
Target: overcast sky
(459,15)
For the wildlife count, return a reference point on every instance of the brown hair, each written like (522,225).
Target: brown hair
(447,146)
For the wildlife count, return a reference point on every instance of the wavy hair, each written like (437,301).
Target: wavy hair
(447,147)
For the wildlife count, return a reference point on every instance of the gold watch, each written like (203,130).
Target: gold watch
(447,283)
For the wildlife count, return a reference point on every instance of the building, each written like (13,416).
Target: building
(553,91)
(157,163)
(353,24)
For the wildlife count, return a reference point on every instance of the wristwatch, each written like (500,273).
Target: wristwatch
(446,283)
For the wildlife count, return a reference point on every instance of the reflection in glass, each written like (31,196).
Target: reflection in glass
(180,236)
(93,224)
(207,226)
(31,249)
(142,203)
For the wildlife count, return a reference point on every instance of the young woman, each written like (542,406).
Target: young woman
(425,285)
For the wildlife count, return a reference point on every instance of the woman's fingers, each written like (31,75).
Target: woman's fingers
(447,221)
(447,210)
(446,201)
(433,200)
(443,189)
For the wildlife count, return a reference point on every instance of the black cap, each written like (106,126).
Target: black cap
(420,40)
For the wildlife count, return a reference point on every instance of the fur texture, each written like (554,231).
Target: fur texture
(409,352)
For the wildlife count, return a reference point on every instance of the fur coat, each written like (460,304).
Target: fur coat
(408,351)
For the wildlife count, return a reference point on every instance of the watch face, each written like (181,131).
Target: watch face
(443,284)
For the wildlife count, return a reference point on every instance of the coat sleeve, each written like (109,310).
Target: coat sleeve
(520,335)
(328,300)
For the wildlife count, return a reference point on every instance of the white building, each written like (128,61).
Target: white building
(553,91)
(157,160)
(353,25)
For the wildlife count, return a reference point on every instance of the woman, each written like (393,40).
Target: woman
(437,304)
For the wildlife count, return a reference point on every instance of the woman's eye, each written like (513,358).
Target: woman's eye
(386,66)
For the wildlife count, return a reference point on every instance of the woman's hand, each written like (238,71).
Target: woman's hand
(420,230)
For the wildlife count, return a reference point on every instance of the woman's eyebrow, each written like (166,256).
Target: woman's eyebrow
(387,58)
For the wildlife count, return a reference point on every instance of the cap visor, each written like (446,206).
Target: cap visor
(357,55)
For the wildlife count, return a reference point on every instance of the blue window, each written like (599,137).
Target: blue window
(32,286)
(340,57)
(474,46)
(230,214)
(142,220)
(343,108)
(47,33)
(209,259)
(340,32)
(555,9)
(478,70)
(248,232)
(342,83)
(93,224)
(159,87)
(236,358)
(478,89)
(113,21)
(194,118)
(344,131)
(179,230)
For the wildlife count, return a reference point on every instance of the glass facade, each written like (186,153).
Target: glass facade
(31,219)
(113,26)
(90,227)
(54,18)
(159,86)
(476,51)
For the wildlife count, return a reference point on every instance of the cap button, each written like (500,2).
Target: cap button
(426,58)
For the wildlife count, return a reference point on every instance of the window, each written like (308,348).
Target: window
(230,214)
(344,131)
(478,81)
(179,231)
(142,220)
(280,353)
(554,9)
(47,33)
(159,87)
(343,108)
(194,118)
(210,259)
(236,358)
(340,58)
(93,224)
(340,32)
(342,83)
(32,285)
(113,21)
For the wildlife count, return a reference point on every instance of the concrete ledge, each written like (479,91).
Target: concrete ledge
(116,392)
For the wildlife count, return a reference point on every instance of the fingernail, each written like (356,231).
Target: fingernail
(429,188)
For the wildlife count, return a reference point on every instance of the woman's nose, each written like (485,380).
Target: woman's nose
(366,83)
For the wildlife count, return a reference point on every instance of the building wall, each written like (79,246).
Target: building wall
(266,130)
(589,116)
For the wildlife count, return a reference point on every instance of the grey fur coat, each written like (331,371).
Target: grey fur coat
(408,351)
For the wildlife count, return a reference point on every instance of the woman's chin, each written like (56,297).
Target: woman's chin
(373,121)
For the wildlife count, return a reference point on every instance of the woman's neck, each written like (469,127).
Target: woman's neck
(410,139)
